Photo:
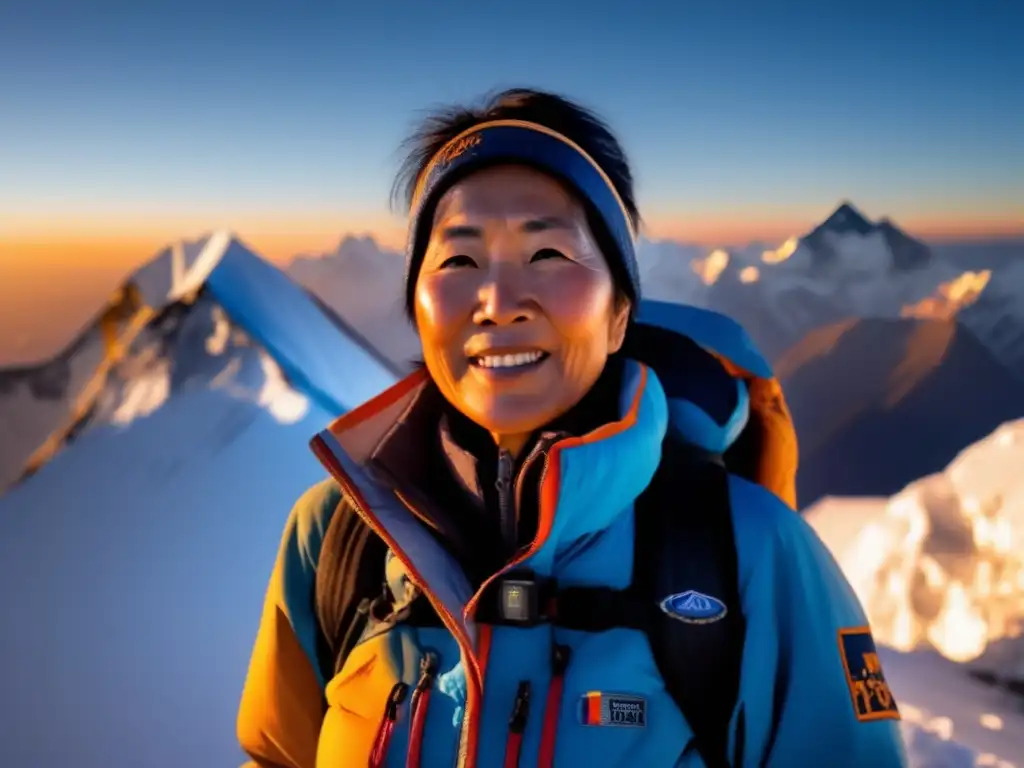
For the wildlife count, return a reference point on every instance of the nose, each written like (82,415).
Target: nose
(501,300)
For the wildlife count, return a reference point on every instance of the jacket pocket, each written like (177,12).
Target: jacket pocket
(367,701)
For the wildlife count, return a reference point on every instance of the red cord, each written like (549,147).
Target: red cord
(553,709)
(381,744)
(382,741)
(513,747)
(419,720)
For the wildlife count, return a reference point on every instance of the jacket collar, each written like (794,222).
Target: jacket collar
(586,479)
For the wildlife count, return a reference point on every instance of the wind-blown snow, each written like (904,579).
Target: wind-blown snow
(941,564)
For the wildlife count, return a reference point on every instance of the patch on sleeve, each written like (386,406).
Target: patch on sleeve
(872,699)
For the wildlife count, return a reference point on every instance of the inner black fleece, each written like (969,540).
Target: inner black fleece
(470,454)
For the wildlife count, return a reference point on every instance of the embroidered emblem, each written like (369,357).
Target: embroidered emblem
(872,699)
(458,147)
(616,709)
(694,607)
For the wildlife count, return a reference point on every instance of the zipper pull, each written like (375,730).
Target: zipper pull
(517,725)
(520,708)
(428,671)
(560,656)
(398,694)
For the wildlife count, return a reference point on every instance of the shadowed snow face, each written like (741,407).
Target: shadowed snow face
(515,305)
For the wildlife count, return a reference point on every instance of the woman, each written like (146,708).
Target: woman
(565,541)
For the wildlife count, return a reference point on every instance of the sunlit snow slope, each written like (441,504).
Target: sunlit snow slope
(132,569)
(940,570)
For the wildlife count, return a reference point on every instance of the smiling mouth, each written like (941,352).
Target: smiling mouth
(518,360)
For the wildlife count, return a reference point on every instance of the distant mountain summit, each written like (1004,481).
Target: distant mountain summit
(847,231)
(846,218)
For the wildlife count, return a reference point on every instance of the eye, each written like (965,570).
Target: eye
(457,261)
(547,253)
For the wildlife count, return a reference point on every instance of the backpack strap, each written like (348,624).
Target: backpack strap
(349,575)
(685,543)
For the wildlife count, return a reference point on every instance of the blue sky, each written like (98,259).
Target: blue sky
(120,109)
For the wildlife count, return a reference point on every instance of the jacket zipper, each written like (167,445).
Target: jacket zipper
(418,708)
(547,441)
(510,489)
(517,725)
(506,509)
(553,706)
(387,725)
(543,443)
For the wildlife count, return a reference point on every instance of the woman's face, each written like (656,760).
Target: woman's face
(515,304)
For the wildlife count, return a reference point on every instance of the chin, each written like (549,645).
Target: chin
(511,418)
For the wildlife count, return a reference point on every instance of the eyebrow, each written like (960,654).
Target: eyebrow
(541,224)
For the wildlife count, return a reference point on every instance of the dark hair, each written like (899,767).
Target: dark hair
(558,113)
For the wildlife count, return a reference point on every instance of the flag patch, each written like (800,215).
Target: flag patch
(872,699)
(618,709)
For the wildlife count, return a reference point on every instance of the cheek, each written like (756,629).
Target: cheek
(443,305)
(579,305)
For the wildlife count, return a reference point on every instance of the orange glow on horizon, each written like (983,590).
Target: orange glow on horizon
(108,243)
(276,236)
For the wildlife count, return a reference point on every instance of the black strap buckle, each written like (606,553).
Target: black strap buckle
(517,600)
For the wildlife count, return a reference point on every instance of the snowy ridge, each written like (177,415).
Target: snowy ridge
(135,354)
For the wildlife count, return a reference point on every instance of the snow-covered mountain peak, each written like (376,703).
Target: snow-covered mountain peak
(847,219)
(180,269)
(849,240)
(207,313)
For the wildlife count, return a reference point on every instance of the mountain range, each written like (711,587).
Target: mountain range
(149,467)
(844,309)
